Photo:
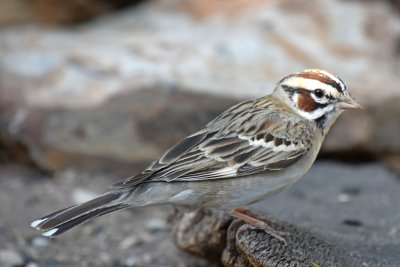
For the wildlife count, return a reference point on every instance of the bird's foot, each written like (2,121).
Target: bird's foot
(256,223)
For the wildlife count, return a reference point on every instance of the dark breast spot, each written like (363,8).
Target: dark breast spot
(305,101)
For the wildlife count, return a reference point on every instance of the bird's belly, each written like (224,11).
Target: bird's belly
(247,190)
(225,193)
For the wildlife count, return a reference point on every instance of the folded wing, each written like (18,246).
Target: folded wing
(251,143)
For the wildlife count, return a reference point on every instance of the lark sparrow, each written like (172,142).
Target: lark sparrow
(251,151)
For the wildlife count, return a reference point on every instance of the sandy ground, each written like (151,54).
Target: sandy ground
(355,207)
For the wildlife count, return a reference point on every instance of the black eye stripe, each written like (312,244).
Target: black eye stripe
(291,91)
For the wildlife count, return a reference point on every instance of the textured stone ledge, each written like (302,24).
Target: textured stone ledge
(215,236)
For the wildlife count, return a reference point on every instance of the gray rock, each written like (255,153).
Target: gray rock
(367,227)
(319,227)
(118,91)
(202,232)
(247,247)
(119,135)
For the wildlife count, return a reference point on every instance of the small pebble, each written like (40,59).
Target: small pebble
(130,241)
(343,198)
(147,258)
(10,258)
(104,257)
(156,225)
(131,261)
(40,241)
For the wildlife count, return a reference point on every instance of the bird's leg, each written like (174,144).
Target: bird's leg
(255,223)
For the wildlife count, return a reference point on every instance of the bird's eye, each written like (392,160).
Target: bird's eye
(319,93)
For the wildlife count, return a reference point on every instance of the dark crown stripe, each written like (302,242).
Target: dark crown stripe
(322,78)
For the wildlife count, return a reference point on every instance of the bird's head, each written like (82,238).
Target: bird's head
(316,95)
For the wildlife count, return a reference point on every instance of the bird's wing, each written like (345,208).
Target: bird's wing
(240,142)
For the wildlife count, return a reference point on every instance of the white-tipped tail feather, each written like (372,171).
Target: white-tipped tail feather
(57,223)
(50,232)
(34,224)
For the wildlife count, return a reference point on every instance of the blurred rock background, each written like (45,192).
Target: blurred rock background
(106,86)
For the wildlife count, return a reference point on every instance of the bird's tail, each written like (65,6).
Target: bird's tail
(58,222)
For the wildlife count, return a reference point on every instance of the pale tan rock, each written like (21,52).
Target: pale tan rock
(62,90)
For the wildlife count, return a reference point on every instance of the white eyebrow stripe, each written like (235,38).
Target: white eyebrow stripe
(300,82)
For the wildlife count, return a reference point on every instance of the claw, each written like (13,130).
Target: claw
(256,224)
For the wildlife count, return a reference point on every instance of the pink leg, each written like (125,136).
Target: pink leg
(254,223)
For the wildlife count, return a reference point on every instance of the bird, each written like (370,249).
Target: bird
(249,152)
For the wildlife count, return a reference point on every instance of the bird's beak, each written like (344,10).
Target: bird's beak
(347,102)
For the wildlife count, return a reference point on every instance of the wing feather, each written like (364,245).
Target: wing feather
(241,141)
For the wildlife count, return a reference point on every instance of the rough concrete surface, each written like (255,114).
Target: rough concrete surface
(353,207)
